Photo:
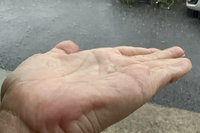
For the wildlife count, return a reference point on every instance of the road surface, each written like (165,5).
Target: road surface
(29,27)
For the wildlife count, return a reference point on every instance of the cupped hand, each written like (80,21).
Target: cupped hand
(67,91)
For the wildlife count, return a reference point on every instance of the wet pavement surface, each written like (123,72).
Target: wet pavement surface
(29,27)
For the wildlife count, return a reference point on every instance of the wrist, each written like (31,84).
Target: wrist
(10,123)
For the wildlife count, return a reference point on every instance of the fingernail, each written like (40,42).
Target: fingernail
(183,55)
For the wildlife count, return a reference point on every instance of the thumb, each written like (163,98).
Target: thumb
(67,47)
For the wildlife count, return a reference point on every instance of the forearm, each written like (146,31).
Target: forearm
(10,123)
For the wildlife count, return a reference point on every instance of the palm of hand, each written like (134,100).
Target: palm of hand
(89,90)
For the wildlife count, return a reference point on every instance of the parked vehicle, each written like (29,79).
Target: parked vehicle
(193,8)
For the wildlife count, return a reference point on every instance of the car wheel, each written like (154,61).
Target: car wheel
(193,13)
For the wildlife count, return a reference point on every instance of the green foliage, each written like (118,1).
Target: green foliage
(165,4)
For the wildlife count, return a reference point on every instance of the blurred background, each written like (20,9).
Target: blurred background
(30,27)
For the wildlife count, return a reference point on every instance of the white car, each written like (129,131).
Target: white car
(193,8)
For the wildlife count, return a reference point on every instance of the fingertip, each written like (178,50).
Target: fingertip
(68,46)
(185,66)
(176,51)
(170,70)
(186,63)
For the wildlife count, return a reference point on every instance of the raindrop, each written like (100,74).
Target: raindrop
(157,33)
(17,44)
(109,4)
(19,57)
(90,6)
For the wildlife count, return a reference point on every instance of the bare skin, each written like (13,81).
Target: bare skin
(67,91)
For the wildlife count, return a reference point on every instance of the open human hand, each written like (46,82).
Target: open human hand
(67,91)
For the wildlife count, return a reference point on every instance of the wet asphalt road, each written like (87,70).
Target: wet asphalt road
(29,27)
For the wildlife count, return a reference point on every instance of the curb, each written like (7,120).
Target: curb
(153,118)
